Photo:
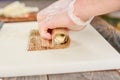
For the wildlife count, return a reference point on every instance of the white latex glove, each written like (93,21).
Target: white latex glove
(54,16)
(57,7)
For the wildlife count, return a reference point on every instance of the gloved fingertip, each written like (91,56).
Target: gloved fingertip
(46,36)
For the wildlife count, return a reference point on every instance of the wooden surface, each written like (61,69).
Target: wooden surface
(98,75)
(109,32)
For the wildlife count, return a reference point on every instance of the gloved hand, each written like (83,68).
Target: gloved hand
(54,16)
(53,9)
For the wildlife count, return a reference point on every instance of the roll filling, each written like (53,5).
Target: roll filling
(60,39)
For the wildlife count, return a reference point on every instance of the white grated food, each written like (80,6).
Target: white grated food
(17,9)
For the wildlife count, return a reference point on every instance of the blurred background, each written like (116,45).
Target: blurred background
(38,3)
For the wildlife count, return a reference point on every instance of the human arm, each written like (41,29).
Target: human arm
(84,9)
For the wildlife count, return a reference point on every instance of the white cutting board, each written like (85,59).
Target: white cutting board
(88,52)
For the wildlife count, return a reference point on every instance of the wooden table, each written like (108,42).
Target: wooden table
(100,75)
(97,75)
